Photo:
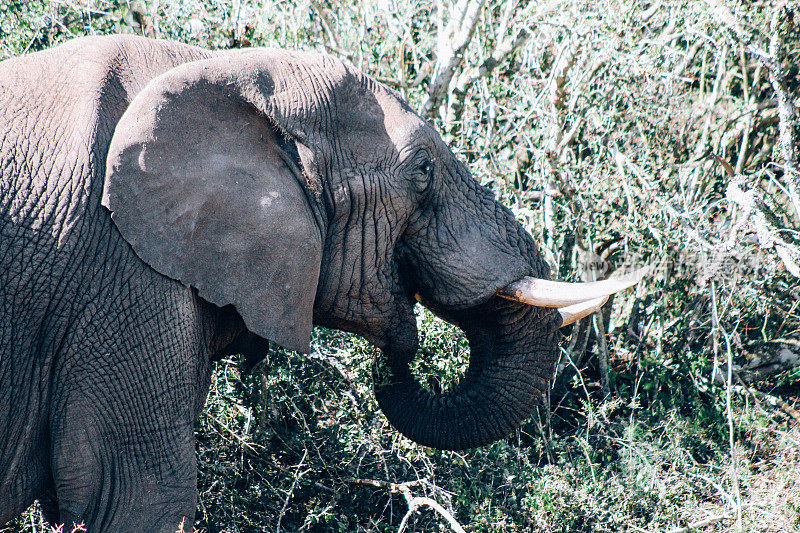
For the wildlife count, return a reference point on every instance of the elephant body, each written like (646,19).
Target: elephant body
(68,341)
(109,322)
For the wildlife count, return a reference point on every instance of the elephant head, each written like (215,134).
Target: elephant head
(302,191)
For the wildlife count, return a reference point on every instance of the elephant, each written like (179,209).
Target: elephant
(163,205)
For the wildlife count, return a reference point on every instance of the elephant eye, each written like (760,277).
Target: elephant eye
(426,168)
(423,172)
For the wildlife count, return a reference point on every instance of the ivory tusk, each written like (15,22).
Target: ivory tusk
(573,313)
(546,293)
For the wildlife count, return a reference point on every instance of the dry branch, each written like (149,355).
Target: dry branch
(787,108)
(694,526)
(503,51)
(787,114)
(770,359)
(414,502)
(423,72)
(778,401)
(451,42)
(295,478)
(756,212)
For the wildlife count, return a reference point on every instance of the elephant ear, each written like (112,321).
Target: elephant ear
(208,188)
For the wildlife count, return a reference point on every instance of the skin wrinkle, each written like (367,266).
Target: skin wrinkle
(127,283)
(425,418)
(384,239)
(380,197)
(494,414)
(364,226)
(377,235)
(51,216)
(369,233)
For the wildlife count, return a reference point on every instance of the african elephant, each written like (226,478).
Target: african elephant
(163,205)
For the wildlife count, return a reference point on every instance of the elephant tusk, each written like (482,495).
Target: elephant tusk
(546,293)
(573,313)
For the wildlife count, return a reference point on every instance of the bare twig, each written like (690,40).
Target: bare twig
(787,113)
(787,108)
(249,446)
(764,222)
(333,44)
(717,329)
(498,57)
(296,478)
(557,99)
(694,526)
(424,70)
(155,18)
(414,502)
(602,348)
(788,409)
(775,401)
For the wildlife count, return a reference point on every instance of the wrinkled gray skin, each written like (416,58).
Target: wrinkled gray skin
(242,196)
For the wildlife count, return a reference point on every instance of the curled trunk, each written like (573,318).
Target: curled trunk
(512,351)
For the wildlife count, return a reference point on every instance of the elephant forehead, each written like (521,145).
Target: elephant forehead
(407,133)
(374,122)
(381,125)
(397,117)
(356,102)
(334,96)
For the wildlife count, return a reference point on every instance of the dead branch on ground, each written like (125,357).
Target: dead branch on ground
(414,502)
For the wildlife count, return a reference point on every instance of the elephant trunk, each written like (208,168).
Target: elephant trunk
(512,352)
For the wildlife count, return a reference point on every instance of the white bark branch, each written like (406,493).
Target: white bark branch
(451,42)
(694,526)
(414,502)
(787,107)
(500,54)
(758,214)
(787,114)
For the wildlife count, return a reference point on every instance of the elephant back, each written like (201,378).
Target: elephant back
(58,110)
